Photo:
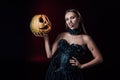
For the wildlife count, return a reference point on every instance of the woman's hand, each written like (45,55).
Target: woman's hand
(74,62)
(44,35)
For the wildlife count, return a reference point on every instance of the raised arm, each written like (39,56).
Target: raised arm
(51,50)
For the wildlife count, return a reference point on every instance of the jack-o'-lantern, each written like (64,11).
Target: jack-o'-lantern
(40,24)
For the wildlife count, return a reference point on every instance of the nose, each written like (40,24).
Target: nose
(70,21)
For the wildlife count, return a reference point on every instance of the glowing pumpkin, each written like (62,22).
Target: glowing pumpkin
(40,24)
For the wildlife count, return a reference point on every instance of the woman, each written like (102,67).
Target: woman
(68,49)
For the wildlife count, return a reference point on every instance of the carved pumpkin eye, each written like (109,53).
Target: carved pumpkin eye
(46,20)
(41,19)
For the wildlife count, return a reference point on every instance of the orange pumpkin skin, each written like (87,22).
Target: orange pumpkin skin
(40,24)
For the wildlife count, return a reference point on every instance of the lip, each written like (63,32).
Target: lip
(70,24)
(71,27)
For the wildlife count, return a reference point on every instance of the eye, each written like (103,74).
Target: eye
(72,17)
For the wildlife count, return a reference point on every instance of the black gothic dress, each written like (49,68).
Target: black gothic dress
(60,68)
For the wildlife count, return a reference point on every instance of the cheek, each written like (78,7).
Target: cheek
(76,21)
(66,22)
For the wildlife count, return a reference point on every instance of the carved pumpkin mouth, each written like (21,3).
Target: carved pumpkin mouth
(45,27)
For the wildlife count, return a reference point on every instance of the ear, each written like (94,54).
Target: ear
(79,19)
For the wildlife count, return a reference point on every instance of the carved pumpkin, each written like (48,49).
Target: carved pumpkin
(40,24)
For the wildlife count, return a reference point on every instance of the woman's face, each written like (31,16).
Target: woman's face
(72,20)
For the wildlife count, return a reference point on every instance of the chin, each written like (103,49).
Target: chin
(73,28)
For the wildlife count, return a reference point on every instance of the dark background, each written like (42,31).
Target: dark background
(22,55)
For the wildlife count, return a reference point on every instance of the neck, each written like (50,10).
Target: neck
(75,31)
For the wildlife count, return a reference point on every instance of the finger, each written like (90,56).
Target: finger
(73,64)
(44,34)
(35,34)
(74,58)
(40,34)
(72,61)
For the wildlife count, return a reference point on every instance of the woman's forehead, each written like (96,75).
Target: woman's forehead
(68,14)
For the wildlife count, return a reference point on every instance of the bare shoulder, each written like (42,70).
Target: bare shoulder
(87,38)
(61,35)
